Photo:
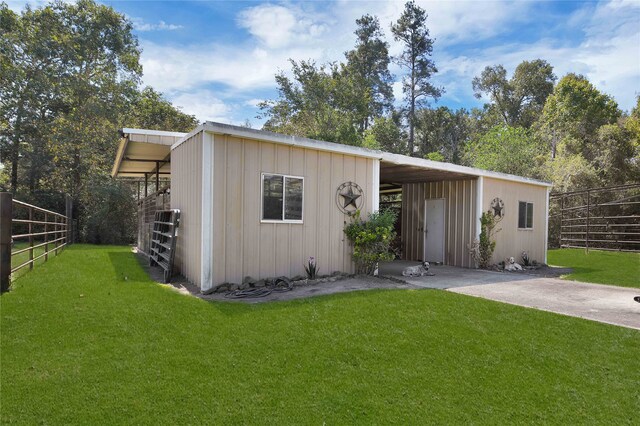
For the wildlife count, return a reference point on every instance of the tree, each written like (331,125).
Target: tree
(411,30)
(314,103)
(368,63)
(69,78)
(442,131)
(506,149)
(150,110)
(615,156)
(519,100)
(385,134)
(569,172)
(573,113)
(31,65)
(102,70)
(632,125)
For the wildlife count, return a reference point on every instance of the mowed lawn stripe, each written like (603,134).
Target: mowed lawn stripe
(88,338)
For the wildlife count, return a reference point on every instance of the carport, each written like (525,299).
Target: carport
(145,154)
(442,204)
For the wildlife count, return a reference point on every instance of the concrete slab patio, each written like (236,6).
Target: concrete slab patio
(604,303)
(446,277)
(538,289)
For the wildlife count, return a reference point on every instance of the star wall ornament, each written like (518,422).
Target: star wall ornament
(349,197)
(497,205)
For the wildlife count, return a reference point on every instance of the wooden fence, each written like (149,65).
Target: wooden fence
(605,218)
(40,228)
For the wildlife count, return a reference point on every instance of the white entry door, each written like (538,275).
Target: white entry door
(434,230)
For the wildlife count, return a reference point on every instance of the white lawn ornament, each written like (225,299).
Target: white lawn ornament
(512,265)
(417,271)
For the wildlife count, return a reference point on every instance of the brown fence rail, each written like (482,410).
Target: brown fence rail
(38,227)
(606,218)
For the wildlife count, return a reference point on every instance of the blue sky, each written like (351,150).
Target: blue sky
(217,60)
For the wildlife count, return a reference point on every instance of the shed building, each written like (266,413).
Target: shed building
(260,204)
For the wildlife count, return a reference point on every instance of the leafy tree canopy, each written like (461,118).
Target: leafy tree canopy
(520,99)
(506,149)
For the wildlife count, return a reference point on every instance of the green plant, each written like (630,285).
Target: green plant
(311,268)
(482,249)
(371,239)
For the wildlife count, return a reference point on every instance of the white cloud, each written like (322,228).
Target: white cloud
(239,67)
(204,104)
(398,94)
(253,102)
(607,53)
(140,25)
(277,26)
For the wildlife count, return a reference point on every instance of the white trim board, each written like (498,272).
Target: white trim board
(128,131)
(206,241)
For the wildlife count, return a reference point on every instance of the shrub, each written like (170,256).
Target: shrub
(371,239)
(482,249)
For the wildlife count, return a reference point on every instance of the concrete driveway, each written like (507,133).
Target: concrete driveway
(603,303)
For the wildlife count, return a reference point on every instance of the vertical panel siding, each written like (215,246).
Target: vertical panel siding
(242,245)
(511,241)
(459,218)
(186,195)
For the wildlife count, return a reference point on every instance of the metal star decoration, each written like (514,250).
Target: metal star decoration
(498,207)
(350,198)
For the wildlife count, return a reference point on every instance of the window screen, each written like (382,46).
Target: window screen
(282,197)
(525,215)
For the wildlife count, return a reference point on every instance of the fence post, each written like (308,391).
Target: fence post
(586,240)
(562,218)
(30,237)
(6,214)
(69,214)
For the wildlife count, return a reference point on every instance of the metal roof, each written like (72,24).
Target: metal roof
(143,151)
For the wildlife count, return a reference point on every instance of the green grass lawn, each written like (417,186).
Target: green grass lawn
(20,258)
(598,266)
(88,339)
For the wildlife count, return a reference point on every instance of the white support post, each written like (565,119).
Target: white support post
(546,225)
(479,208)
(375,179)
(206,260)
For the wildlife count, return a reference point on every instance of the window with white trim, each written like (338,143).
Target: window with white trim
(282,198)
(525,215)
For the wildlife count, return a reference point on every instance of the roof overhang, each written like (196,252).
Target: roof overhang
(395,168)
(144,152)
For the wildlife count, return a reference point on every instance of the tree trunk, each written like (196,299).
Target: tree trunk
(15,149)
(412,113)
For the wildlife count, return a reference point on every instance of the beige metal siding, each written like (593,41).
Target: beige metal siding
(459,218)
(511,241)
(242,245)
(186,195)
